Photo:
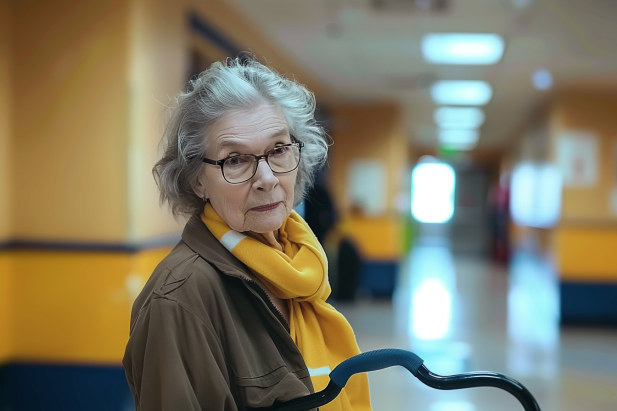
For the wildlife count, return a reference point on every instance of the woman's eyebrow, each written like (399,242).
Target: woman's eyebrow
(234,141)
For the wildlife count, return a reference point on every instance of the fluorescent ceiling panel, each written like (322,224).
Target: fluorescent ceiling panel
(461,92)
(454,136)
(462,48)
(459,117)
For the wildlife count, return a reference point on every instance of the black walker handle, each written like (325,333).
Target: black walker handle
(380,359)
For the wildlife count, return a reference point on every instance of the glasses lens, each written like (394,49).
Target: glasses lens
(239,168)
(284,159)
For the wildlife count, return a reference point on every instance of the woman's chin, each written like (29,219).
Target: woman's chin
(267,223)
(264,229)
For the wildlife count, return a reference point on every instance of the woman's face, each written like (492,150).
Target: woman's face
(251,131)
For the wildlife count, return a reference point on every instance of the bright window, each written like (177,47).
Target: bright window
(535,198)
(432,188)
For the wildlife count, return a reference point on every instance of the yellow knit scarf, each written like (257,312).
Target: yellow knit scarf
(299,274)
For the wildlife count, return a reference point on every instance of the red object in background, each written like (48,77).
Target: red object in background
(499,204)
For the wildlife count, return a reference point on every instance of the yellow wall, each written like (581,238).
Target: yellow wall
(370,132)
(379,238)
(83,87)
(70,306)
(70,120)
(5,116)
(63,130)
(6,307)
(75,306)
(586,253)
(586,239)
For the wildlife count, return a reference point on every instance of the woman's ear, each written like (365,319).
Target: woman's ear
(199,188)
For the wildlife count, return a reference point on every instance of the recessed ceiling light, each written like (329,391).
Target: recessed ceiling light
(542,79)
(454,136)
(462,48)
(461,92)
(459,117)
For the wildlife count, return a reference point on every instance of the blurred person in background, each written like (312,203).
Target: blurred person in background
(319,211)
(236,315)
(499,206)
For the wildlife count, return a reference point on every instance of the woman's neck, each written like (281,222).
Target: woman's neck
(270,238)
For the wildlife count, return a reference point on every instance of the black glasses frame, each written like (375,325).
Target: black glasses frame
(221,163)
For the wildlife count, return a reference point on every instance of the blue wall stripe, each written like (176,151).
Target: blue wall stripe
(205,30)
(154,244)
(35,387)
(588,303)
(378,278)
(68,246)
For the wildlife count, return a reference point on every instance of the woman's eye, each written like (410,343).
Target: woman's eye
(234,161)
(279,150)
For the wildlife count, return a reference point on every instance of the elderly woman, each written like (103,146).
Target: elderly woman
(235,317)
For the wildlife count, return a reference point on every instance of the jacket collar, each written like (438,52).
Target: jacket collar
(197,236)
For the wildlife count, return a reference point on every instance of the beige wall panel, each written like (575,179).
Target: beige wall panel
(238,28)
(70,120)
(5,119)
(156,72)
(367,132)
(594,112)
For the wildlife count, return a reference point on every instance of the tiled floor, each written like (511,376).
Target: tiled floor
(464,314)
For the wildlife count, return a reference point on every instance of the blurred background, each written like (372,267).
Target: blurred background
(468,208)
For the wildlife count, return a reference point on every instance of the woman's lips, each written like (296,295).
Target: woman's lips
(266,207)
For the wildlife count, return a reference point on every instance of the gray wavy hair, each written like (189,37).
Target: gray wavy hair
(240,83)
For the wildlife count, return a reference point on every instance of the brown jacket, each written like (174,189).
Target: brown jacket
(204,336)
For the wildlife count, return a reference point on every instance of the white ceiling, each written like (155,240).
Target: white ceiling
(366,54)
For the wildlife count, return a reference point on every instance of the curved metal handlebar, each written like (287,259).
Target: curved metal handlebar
(375,360)
(380,359)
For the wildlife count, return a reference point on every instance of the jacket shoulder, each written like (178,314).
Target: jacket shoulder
(184,277)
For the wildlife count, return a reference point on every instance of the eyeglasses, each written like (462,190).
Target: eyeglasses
(239,168)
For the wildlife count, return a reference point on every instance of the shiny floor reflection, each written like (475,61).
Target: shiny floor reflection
(462,314)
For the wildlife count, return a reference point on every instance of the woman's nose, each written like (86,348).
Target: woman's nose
(265,179)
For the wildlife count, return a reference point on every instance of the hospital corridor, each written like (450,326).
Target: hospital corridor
(192,192)
(474,315)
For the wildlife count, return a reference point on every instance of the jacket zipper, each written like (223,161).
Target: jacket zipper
(271,304)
